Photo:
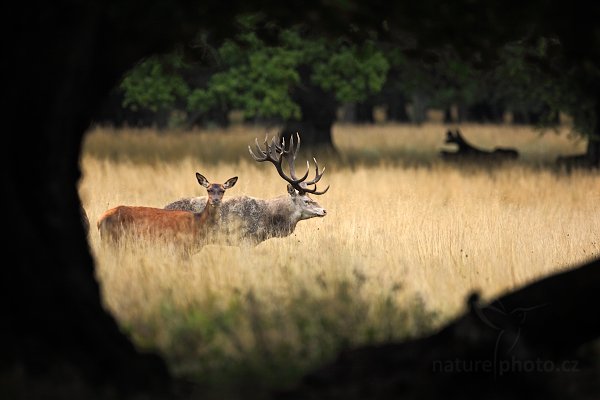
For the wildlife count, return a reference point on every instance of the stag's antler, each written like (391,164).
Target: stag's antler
(274,153)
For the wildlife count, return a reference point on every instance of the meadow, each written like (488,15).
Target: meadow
(405,240)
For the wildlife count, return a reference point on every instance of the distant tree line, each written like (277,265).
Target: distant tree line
(286,76)
(298,81)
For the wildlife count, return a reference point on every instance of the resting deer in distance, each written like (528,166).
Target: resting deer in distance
(467,152)
(190,230)
(249,220)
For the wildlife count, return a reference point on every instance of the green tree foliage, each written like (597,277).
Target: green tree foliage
(155,83)
(521,83)
(352,72)
(452,80)
(259,78)
(254,78)
(566,86)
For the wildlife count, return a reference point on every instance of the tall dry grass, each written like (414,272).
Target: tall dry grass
(401,247)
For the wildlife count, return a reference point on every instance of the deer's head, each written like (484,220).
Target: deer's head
(307,207)
(298,187)
(215,191)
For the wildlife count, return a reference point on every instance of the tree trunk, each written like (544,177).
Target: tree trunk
(318,110)
(520,118)
(591,157)
(347,113)
(593,147)
(485,111)
(58,340)
(396,108)
(364,112)
(419,108)
(448,115)
(217,116)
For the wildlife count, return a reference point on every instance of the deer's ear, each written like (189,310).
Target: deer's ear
(230,182)
(291,190)
(202,180)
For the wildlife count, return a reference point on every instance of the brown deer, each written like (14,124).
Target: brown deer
(190,230)
(467,152)
(248,220)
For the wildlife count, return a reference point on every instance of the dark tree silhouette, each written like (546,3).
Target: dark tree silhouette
(522,345)
(60,63)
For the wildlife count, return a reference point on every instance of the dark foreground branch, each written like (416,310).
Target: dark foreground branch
(536,342)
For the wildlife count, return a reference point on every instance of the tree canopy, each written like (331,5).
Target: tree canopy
(262,68)
(261,78)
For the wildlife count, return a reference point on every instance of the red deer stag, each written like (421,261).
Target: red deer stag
(248,220)
(190,230)
(467,152)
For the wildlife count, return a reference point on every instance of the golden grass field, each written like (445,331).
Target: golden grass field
(404,232)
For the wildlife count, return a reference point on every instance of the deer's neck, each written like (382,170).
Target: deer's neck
(283,216)
(209,216)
